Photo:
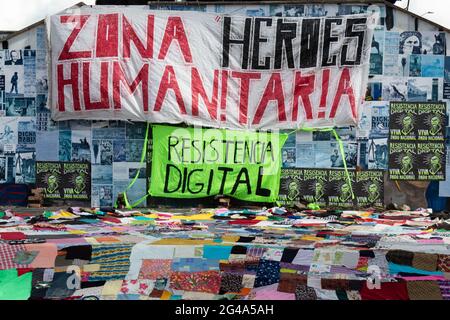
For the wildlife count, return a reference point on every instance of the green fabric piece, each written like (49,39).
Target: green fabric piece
(13,287)
(2,214)
(48,214)
(276,218)
(196,163)
(313,206)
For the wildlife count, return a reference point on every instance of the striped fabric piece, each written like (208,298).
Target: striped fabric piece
(114,261)
(444,285)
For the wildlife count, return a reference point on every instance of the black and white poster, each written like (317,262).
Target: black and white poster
(340,188)
(64,180)
(417,141)
(432,120)
(431,161)
(403,120)
(332,188)
(403,160)
(369,188)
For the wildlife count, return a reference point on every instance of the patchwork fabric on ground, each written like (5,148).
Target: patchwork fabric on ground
(206,259)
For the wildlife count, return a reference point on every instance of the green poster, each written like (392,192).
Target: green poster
(195,163)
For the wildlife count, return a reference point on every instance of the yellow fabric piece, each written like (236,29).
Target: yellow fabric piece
(152,216)
(311,238)
(201,216)
(166,295)
(283,270)
(77,232)
(230,238)
(91,240)
(112,288)
(60,269)
(261,218)
(91,267)
(63,214)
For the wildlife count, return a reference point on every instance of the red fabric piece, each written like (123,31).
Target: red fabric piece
(114,220)
(12,236)
(388,291)
(21,271)
(243,221)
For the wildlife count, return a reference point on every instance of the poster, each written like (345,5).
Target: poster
(195,163)
(314,186)
(403,160)
(431,161)
(64,180)
(432,120)
(369,188)
(403,121)
(340,188)
(157,67)
(331,188)
(417,141)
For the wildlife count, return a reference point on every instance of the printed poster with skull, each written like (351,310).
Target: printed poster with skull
(331,188)
(417,141)
(64,180)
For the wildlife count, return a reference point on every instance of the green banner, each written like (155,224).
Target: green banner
(195,163)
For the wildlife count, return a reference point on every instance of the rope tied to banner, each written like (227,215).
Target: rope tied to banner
(143,157)
(341,150)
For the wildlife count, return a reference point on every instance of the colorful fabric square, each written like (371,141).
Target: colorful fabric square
(13,287)
(443,263)
(59,287)
(273,254)
(8,254)
(216,252)
(290,281)
(231,282)
(114,261)
(79,252)
(303,257)
(425,261)
(257,252)
(444,286)
(25,257)
(155,269)
(238,250)
(387,291)
(424,290)
(194,264)
(289,254)
(46,255)
(268,273)
(303,292)
(397,268)
(206,281)
(137,287)
(400,257)
(12,236)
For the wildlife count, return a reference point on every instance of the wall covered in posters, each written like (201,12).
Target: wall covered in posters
(405,66)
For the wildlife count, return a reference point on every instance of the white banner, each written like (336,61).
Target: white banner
(207,69)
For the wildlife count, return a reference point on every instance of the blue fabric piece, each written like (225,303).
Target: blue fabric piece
(396,268)
(216,252)
(143,218)
(194,264)
(268,273)
(434,201)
